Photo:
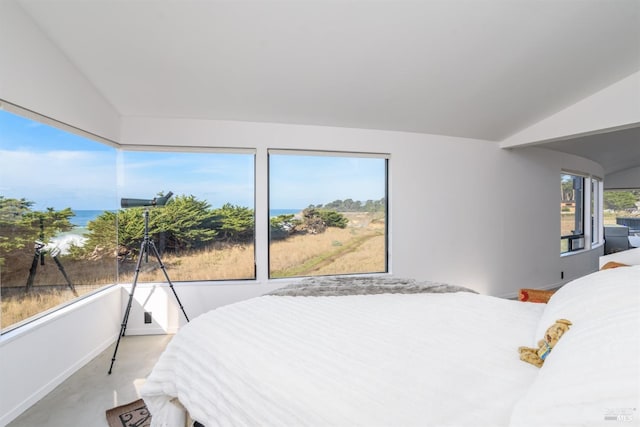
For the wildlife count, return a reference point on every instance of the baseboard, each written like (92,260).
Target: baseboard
(150,331)
(51,385)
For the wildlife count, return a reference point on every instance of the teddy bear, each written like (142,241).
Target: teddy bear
(536,356)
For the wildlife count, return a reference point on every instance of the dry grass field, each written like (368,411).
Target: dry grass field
(359,248)
(567,220)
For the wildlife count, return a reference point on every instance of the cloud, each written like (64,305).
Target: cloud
(59,178)
(212,177)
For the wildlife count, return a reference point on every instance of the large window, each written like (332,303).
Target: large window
(571,212)
(75,209)
(328,214)
(205,231)
(52,185)
(64,234)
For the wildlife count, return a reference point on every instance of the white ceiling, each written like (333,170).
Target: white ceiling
(470,68)
(615,151)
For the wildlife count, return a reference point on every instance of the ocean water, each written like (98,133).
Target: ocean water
(75,236)
(276,212)
(63,241)
(83,217)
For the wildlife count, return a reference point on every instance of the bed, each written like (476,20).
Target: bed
(404,354)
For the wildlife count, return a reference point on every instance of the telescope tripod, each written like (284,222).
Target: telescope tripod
(146,245)
(38,256)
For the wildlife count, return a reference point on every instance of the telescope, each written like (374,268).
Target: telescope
(146,245)
(135,203)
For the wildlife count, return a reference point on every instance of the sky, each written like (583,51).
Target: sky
(56,169)
(299,181)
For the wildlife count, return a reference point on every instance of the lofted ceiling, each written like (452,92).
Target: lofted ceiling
(614,151)
(481,69)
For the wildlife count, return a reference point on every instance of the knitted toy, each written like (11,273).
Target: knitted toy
(536,356)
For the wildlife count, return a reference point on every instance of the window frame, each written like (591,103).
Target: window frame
(591,214)
(597,210)
(332,153)
(576,240)
(118,151)
(186,149)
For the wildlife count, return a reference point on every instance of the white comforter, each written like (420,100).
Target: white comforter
(365,360)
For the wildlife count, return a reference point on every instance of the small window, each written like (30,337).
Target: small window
(571,213)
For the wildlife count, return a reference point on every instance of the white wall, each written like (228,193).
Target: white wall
(462,211)
(196,298)
(34,74)
(36,358)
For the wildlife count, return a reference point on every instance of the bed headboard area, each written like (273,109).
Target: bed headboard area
(629,257)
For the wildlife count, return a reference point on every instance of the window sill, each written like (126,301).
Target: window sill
(582,251)
(38,321)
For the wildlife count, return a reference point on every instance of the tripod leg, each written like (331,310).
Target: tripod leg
(33,270)
(164,270)
(64,273)
(125,319)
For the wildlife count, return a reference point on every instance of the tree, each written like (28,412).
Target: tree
(312,222)
(16,225)
(333,219)
(619,200)
(184,223)
(282,226)
(566,189)
(102,237)
(350,205)
(234,223)
(21,227)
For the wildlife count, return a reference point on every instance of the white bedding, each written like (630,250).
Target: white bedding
(592,376)
(374,360)
(408,360)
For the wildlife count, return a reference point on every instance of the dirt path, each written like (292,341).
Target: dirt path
(324,260)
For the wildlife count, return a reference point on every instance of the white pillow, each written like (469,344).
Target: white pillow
(590,297)
(592,375)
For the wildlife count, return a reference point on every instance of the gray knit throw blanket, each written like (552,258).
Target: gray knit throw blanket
(351,285)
